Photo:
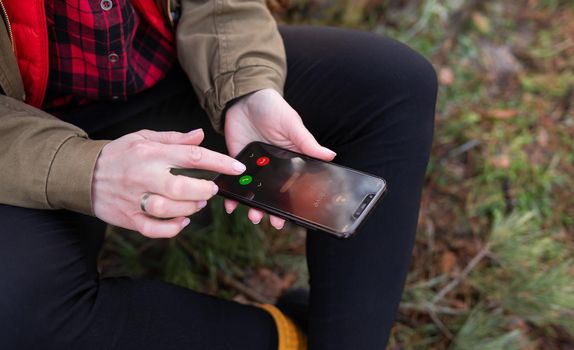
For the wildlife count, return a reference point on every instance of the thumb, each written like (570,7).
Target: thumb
(193,137)
(306,143)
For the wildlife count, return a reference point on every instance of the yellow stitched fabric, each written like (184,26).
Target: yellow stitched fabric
(290,336)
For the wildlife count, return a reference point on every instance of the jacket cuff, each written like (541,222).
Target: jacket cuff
(236,84)
(69,184)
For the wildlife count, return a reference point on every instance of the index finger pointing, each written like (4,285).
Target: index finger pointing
(192,156)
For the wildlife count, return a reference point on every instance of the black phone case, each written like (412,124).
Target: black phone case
(307,224)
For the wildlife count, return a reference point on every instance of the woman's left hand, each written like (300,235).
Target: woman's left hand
(265,116)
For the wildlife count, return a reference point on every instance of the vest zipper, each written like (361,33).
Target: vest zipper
(5,15)
(173,11)
(168,10)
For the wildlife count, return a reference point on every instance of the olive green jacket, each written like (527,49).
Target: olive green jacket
(228,48)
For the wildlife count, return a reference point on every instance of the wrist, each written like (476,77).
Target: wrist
(228,106)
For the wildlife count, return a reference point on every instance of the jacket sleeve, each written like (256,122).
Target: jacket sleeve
(229,48)
(45,163)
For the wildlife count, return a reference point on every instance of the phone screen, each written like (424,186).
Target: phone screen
(326,195)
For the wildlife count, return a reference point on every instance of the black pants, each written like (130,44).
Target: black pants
(367,97)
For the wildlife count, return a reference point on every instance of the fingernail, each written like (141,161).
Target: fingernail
(333,153)
(195,131)
(239,167)
(215,189)
(202,204)
(185,222)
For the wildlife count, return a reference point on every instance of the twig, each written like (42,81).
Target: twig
(465,147)
(430,235)
(447,333)
(428,308)
(455,282)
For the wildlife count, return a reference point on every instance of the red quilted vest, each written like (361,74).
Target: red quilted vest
(28,21)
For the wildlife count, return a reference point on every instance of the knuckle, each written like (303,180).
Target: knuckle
(145,229)
(174,186)
(142,149)
(205,189)
(143,132)
(157,206)
(192,208)
(195,153)
(172,137)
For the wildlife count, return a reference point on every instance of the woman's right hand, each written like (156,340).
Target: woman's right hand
(140,163)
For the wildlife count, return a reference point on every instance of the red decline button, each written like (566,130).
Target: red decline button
(262,161)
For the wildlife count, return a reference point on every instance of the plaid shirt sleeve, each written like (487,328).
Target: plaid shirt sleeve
(101,50)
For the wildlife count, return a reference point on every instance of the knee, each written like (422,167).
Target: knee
(424,90)
(420,86)
(419,76)
(391,72)
(406,89)
(409,74)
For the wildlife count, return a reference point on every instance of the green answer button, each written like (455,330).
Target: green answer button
(245,180)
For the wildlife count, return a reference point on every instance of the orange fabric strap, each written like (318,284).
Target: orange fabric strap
(290,336)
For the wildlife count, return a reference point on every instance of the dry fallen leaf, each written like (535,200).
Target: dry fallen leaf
(501,161)
(542,138)
(448,262)
(446,76)
(502,113)
(242,299)
(481,22)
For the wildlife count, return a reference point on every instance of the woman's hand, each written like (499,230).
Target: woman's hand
(138,164)
(265,116)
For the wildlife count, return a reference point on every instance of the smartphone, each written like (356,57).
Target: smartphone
(309,192)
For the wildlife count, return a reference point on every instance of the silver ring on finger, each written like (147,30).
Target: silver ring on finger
(143,202)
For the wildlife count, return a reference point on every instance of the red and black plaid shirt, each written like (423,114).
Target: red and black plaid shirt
(101,50)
